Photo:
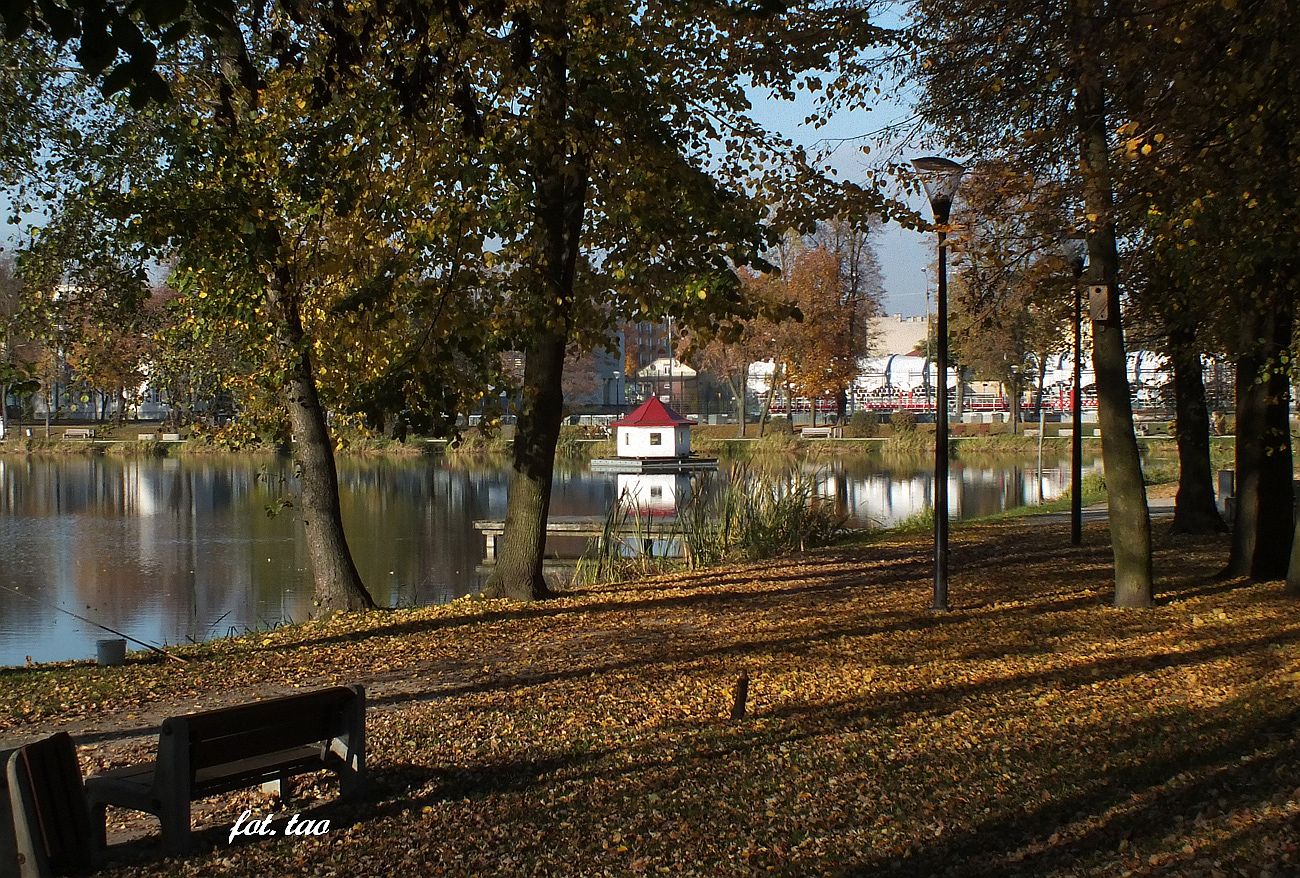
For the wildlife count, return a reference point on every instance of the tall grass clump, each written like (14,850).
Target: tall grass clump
(137,448)
(478,443)
(775,442)
(918,522)
(908,443)
(580,442)
(751,517)
(624,549)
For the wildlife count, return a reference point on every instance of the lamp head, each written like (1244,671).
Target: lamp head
(940,177)
(1075,250)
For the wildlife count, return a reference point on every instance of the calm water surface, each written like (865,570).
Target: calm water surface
(173,549)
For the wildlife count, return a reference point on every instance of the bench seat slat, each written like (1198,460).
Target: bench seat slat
(256,769)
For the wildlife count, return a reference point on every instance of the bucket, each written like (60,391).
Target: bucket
(110,652)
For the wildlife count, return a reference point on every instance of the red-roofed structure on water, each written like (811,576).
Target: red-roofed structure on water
(653,430)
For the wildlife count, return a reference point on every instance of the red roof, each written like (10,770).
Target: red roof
(652,413)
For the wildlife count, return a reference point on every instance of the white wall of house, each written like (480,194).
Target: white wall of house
(653,441)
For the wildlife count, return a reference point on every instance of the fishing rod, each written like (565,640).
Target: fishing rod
(158,649)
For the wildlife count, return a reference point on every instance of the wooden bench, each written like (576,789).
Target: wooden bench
(217,751)
(821,432)
(79,433)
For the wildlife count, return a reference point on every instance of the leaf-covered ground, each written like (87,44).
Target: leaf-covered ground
(1033,731)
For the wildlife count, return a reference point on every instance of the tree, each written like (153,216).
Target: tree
(605,123)
(1211,155)
(861,288)
(1011,288)
(731,355)
(1033,83)
(825,346)
(228,183)
(16,370)
(1176,316)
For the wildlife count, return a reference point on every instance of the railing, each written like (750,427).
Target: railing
(1054,400)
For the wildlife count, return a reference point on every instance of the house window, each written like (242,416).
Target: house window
(656,438)
(656,492)
(627,438)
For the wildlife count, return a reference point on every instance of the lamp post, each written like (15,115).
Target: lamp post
(941,177)
(1076,250)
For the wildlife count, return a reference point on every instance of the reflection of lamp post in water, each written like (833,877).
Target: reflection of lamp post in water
(941,177)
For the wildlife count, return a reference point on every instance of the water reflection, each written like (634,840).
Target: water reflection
(174,549)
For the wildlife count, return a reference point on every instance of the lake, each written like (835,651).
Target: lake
(189,548)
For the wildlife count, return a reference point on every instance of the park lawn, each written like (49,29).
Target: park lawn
(1032,731)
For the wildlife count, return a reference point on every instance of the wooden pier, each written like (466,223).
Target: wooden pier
(588,526)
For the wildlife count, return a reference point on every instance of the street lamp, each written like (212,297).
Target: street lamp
(941,177)
(1076,251)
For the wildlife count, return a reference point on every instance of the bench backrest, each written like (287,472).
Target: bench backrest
(216,737)
(50,814)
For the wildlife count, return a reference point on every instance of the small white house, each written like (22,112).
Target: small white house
(653,430)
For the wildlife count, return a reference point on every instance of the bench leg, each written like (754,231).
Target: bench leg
(351,753)
(175,819)
(99,826)
(281,787)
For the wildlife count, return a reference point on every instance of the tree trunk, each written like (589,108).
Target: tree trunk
(1276,499)
(337,584)
(1013,403)
(738,398)
(1130,521)
(1042,377)
(1262,527)
(1194,509)
(771,397)
(1293,569)
(1249,455)
(521,549)
(741,400)
(561,174)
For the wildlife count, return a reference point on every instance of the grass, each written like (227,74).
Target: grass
(749,515)
(1030,732)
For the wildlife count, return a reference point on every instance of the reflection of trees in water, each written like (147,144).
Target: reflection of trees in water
(167,548)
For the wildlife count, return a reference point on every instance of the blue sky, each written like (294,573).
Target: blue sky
(905,256)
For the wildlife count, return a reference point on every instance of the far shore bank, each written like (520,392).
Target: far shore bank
(575,442)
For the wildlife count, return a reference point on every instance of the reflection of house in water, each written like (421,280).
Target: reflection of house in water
(652,494)
(649,504)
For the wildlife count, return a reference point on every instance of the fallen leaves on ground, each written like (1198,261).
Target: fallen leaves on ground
(1031,731)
